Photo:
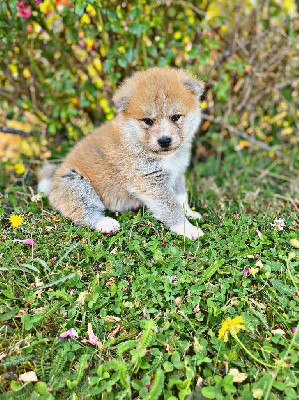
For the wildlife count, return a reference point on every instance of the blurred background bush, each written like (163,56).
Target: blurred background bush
(61,61)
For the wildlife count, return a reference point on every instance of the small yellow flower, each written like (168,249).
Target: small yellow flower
(204,104)
(232,326)
(15,220)
(19,168)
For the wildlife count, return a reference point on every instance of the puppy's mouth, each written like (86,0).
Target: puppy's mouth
(165,151)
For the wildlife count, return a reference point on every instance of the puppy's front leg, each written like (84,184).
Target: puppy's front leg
(181,195)
(162,202)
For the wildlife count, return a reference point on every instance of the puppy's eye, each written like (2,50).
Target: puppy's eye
(175,117)
(148,121)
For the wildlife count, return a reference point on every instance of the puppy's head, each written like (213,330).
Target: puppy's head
(159,109)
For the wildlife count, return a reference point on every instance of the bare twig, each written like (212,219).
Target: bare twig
(5,129)
(241,134)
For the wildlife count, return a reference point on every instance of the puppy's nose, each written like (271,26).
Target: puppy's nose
(164,142)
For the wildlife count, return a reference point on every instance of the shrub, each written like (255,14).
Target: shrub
(61,60)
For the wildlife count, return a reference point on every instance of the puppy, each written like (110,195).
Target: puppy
(137,159)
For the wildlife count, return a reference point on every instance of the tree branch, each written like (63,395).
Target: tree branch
(243,135)
(5,129)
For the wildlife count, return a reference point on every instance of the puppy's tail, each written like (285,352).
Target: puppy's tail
(45,175)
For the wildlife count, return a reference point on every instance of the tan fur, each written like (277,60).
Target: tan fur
(122,166)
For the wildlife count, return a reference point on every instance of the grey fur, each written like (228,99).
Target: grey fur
(77,188)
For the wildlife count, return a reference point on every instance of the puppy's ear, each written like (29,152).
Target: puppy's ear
(195,85)
(123,96)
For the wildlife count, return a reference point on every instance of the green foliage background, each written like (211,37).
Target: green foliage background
(63,63)
(155,301)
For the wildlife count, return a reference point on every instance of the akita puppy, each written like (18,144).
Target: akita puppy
(137,159)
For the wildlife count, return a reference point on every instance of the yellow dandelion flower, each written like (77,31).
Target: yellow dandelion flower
(204,105)
(19,168)
(232,326)
(15,220)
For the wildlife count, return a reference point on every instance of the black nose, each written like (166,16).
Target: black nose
(164,142)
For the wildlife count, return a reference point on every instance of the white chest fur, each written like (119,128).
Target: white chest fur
(176,163)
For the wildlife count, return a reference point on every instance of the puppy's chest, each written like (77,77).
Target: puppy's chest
(165,170)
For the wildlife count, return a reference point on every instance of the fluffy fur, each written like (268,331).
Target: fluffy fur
(137,159)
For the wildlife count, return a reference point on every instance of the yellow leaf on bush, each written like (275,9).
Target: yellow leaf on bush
(243,144)
(109,115)
(26,73)
(74,100)
(213,11)
(103,51)
(91,71)
(223,29)
(104,103)
(85,19)
(91,10)
(287,131)
(89,43)
(289,6)
(97,63)
(46,5)
(122,49)
(99,83)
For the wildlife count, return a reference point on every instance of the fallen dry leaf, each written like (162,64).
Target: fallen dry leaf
(110,318)
(110,282)
(29,376)
(81,298)
(238,377)
(279,331)
(113,333)
(169,349)
(199,381)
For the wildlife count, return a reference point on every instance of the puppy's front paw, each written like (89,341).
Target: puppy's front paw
(193,214)
(186,229)
(107,225)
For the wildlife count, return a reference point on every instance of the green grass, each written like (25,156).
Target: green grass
(169,295)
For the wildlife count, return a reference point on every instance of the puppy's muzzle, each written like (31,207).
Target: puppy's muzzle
(164,142)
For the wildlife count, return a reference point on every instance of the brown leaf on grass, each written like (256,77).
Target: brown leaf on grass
(238,377)
(114,333)
(81,297)
(20,314)
(199,382)
(29,376)
(169,349)
(110,318)
(110,282)
(278,331)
